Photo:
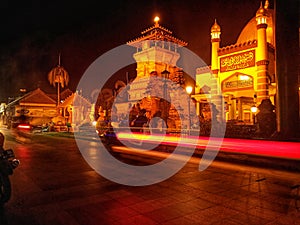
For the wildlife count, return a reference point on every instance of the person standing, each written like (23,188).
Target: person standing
(139,123)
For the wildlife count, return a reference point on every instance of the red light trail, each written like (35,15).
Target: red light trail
(280,149)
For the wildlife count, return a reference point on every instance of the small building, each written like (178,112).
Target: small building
(36,105)
(76,115)
(41,109)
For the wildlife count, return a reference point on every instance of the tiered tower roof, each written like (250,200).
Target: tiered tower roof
(156,32)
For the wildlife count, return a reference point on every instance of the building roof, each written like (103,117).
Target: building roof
(75,96)
(156,32)
(34,97)
(37,97)
(63,95)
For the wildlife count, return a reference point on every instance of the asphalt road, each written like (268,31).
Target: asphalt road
(55,185)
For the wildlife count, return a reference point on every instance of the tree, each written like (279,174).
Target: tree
(59,76)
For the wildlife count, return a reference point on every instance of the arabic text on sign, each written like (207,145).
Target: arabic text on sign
(238,84)
(238,61)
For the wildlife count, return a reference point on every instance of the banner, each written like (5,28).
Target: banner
(237,61)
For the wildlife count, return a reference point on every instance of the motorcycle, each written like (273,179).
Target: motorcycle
(7,164)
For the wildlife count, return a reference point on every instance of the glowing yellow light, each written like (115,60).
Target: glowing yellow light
(253,109)
(244,77)
(156,19)
(189,89)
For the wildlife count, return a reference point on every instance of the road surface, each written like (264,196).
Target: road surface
(55,185)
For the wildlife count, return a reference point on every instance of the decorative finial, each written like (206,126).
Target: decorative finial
(266,4)
(261,12)
(215,27)
(156,19)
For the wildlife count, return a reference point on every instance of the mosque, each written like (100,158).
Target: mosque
(239,78)
(243,73)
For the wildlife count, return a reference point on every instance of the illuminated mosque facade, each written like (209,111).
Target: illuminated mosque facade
(244,73)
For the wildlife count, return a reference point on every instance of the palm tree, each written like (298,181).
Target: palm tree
(58,75)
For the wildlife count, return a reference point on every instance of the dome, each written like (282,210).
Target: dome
(215,28)
(249,33)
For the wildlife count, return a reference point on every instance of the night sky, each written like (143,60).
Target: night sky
(34,32)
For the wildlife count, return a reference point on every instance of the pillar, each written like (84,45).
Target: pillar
(216,96)
(262,54)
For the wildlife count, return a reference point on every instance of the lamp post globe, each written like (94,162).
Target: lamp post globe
(189,89)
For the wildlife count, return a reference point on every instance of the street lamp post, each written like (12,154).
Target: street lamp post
(254,110)
(189,90)
(165,114)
